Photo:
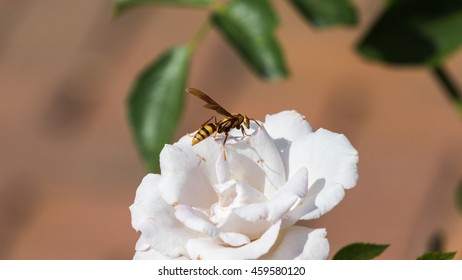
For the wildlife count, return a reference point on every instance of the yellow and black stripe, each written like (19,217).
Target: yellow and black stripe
(204,132)
(227,124)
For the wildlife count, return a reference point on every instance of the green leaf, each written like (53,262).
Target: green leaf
(360,251)
(156,102)
(459,188)
(249,25)
(415,32)
(326,13)
(437,256)
(123,5)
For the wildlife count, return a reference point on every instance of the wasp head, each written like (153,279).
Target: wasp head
(246,121)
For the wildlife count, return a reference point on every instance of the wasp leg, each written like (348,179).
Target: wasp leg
(243,131)
(259,125)
(223,145)
(207,121)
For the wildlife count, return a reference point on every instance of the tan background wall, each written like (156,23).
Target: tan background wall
(69,169)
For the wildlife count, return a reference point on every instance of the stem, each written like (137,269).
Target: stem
(451,89)
(200,34)
(205,26)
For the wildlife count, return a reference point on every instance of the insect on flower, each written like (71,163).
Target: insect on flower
(231,120)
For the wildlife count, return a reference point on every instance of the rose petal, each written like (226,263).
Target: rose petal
(152,254)
(246,194)
(257,162)
(306,208)
(207,151)
(155,219)
(284,128)
(233,223)
(233,238)
(327,156)
(273,209)
(208,249)
(195,220)
(222,169)
(270,161)
(288,125)
(183,181)
(289,245)
(142,244)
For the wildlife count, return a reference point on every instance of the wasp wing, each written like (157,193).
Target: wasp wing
(211,104)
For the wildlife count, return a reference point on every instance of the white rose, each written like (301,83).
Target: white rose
(245,207)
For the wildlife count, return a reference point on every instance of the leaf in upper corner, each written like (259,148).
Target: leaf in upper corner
(123,5)
(360,251)
(249,25)
(327,13)
(156,102)
(415,32)
(437,256)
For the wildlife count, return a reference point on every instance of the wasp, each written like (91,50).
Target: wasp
(230,121)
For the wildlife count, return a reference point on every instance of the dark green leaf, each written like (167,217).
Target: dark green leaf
(360,251)
(415,32)
(325,13)
(123,5)
(437,256)
(249,25)
(459,190)
(156,102)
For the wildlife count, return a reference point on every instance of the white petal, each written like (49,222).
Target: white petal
(273,209)
(270,161)
(233,223)
(226,193)
(222,169)
(284,128)
(195,220)
(300,243)
(142,244)
(257,162)
(147,195)
(233,238)
(329,157)
(307,209)
(206,248)
(183,181)
(207,151)
(246,194)
(236,193)
(155,219)
(288,125)
(152,254)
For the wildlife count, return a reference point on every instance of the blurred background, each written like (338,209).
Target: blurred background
(69,168)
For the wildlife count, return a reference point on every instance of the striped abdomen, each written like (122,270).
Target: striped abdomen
(204,132)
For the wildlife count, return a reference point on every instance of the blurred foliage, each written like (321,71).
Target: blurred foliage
(156,102)
(360,251)
(437,256)
(415,32)
(418,32)
(249,25)
(327,13)
(122,5)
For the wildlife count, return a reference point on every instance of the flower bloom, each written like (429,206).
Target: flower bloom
(202,206)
